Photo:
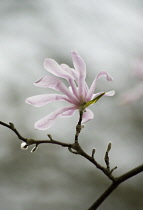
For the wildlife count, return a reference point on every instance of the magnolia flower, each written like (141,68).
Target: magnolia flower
(138,68)
(78,94)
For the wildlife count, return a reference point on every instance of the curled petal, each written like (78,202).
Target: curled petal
(49,120)
(87,115)
(80,67)
(105,74)
(53,67)
(41,100)
(93,86)
(56,84)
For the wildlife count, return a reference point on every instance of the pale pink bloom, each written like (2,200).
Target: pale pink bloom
(136,92)
(76,94)
(133,95)
(138,68)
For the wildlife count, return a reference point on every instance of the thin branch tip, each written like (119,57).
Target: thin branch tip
(93,152)
(50,137)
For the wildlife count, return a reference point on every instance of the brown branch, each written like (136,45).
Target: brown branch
(115,184)
(91,158)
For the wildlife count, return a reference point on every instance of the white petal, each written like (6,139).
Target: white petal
(110,93)
(41,100)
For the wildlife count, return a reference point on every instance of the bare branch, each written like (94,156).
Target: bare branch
(12,127)
(76,149)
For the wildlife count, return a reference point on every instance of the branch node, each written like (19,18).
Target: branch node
(72,151)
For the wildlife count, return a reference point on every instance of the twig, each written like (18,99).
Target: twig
(12,127)
(33,141)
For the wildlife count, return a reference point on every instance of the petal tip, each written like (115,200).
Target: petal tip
(37,81)
(37,127)
(27,101)
(110,93)
(74,52)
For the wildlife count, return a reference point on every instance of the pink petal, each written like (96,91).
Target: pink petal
(93,86)
(87,115)
(105,74)
(56,84)
(70,71)
(110,93)
(54,68)
(80,67)
(138,68)
(74,88)
(41,100)
(68,113)
(71,81)
(49,120)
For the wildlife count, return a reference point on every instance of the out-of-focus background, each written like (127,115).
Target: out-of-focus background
(108,34)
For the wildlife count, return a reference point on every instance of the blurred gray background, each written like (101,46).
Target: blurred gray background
(108,34)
